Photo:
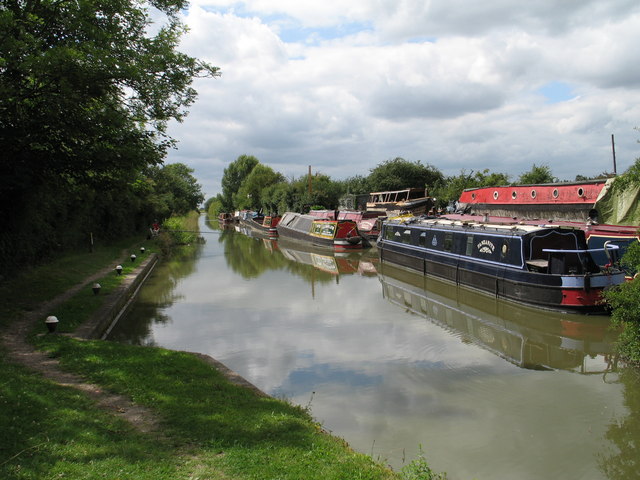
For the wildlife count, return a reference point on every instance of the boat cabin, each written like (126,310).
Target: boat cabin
(543,250)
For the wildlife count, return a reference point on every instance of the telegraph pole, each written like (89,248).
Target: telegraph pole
(613,148)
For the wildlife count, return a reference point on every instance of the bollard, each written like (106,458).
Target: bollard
(51,322)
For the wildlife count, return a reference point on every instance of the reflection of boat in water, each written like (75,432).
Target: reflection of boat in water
(524,336)
(335,263)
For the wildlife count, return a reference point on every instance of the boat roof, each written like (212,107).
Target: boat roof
(600,181)
(505,229)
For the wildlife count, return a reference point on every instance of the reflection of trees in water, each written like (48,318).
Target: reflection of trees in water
(624,434)
(249,257)
(159,293)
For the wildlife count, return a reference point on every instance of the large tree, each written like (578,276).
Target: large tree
(538,174)
(251,191)
(177,187)
(398,174)
(232,179)
(85,91)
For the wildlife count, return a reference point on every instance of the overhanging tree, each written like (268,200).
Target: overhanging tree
(85,92)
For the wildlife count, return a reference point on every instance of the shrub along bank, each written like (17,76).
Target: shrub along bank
(210,428)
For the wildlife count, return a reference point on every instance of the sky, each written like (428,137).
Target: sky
(344,85)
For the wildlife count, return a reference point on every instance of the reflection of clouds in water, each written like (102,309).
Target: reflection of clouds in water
(389,381)
(349,326)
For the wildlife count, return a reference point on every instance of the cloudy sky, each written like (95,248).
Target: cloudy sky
(343,85)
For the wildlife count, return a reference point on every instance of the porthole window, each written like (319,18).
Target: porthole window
(555,193)
(533,194)
(580,192)
(495,195)
(473,196)
(514,194)
(422,240)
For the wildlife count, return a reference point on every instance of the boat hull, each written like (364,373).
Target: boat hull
(270,231)
(555,291)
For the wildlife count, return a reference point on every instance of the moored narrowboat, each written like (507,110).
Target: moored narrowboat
(397,202)
(263,224)
(335,234)
(549,267)
(368,222)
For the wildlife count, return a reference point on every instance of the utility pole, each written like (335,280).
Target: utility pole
(613,148)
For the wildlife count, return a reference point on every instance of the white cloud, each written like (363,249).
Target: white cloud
(343,87)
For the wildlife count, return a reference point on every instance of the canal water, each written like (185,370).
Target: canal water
(397,364)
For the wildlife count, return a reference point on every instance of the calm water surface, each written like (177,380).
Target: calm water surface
(392,361)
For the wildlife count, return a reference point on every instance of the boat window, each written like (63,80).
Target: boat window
(469,251)
(580,192)
(495,195)
(555,193)
(533,194)
(448,241)
(388,233)
(514,195)
(505,249)
(422,240)
(406,236)
(397,235)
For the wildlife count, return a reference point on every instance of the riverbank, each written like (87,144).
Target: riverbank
(194,422)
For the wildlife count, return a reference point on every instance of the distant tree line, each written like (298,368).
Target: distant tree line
(248,184)
(86,93)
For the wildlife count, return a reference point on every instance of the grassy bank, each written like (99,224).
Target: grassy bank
(211,429)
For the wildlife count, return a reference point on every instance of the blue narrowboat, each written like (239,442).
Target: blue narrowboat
(549,267)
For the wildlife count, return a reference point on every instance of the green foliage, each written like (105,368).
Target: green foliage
(324,192)
(232,179)
(398,174)
(277,198)
(250,193)
(86,94)
(537,174)
(419,469)
(176,187)
(181,230)
(213,206)
(356,185)
(631,177)
(625,303)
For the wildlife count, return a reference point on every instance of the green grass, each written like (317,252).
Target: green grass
(51,432)
(245,435)
(211,428)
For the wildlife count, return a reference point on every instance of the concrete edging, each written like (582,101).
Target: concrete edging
(100,323)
